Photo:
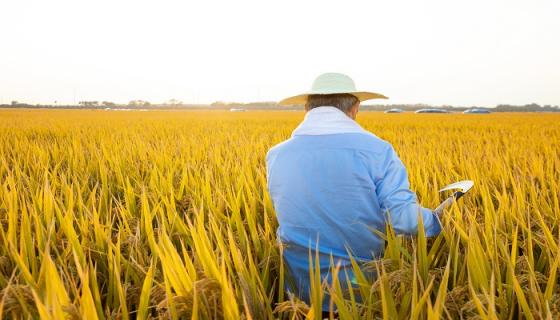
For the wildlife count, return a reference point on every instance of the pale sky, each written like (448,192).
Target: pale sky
(476,52)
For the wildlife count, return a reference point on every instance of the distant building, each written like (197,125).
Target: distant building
(431,110)
(394,110)
(477,110)
(237,110)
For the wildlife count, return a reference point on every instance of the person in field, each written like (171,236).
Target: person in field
(332,183)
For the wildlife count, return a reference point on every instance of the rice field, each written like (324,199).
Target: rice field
(144,215)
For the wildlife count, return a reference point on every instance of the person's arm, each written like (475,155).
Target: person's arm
(400,203)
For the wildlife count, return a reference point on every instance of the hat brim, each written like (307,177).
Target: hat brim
(302,98)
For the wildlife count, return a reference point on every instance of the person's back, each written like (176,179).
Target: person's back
(331,191)
(332,185)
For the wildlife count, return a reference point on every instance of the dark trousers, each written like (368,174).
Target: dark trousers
(327,315)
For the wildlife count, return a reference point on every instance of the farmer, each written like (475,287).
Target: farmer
(332,183)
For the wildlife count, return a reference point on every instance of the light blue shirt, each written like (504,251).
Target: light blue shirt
(332,183)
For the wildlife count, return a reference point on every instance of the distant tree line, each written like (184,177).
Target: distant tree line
(268,105)
(533,107)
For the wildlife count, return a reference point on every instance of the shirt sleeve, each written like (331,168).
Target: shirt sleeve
(399,203)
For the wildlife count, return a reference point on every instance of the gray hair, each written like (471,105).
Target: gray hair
(342,101)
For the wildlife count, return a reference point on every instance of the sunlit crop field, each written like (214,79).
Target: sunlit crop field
(137,215)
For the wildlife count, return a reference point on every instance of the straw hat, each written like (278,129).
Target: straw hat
(332,83)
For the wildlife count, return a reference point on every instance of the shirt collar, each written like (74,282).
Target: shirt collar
(327,120)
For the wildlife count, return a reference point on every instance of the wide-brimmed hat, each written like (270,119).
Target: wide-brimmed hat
(332,83)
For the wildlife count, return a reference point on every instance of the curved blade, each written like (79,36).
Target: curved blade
(464,186)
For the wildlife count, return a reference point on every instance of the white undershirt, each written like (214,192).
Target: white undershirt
(327,120)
